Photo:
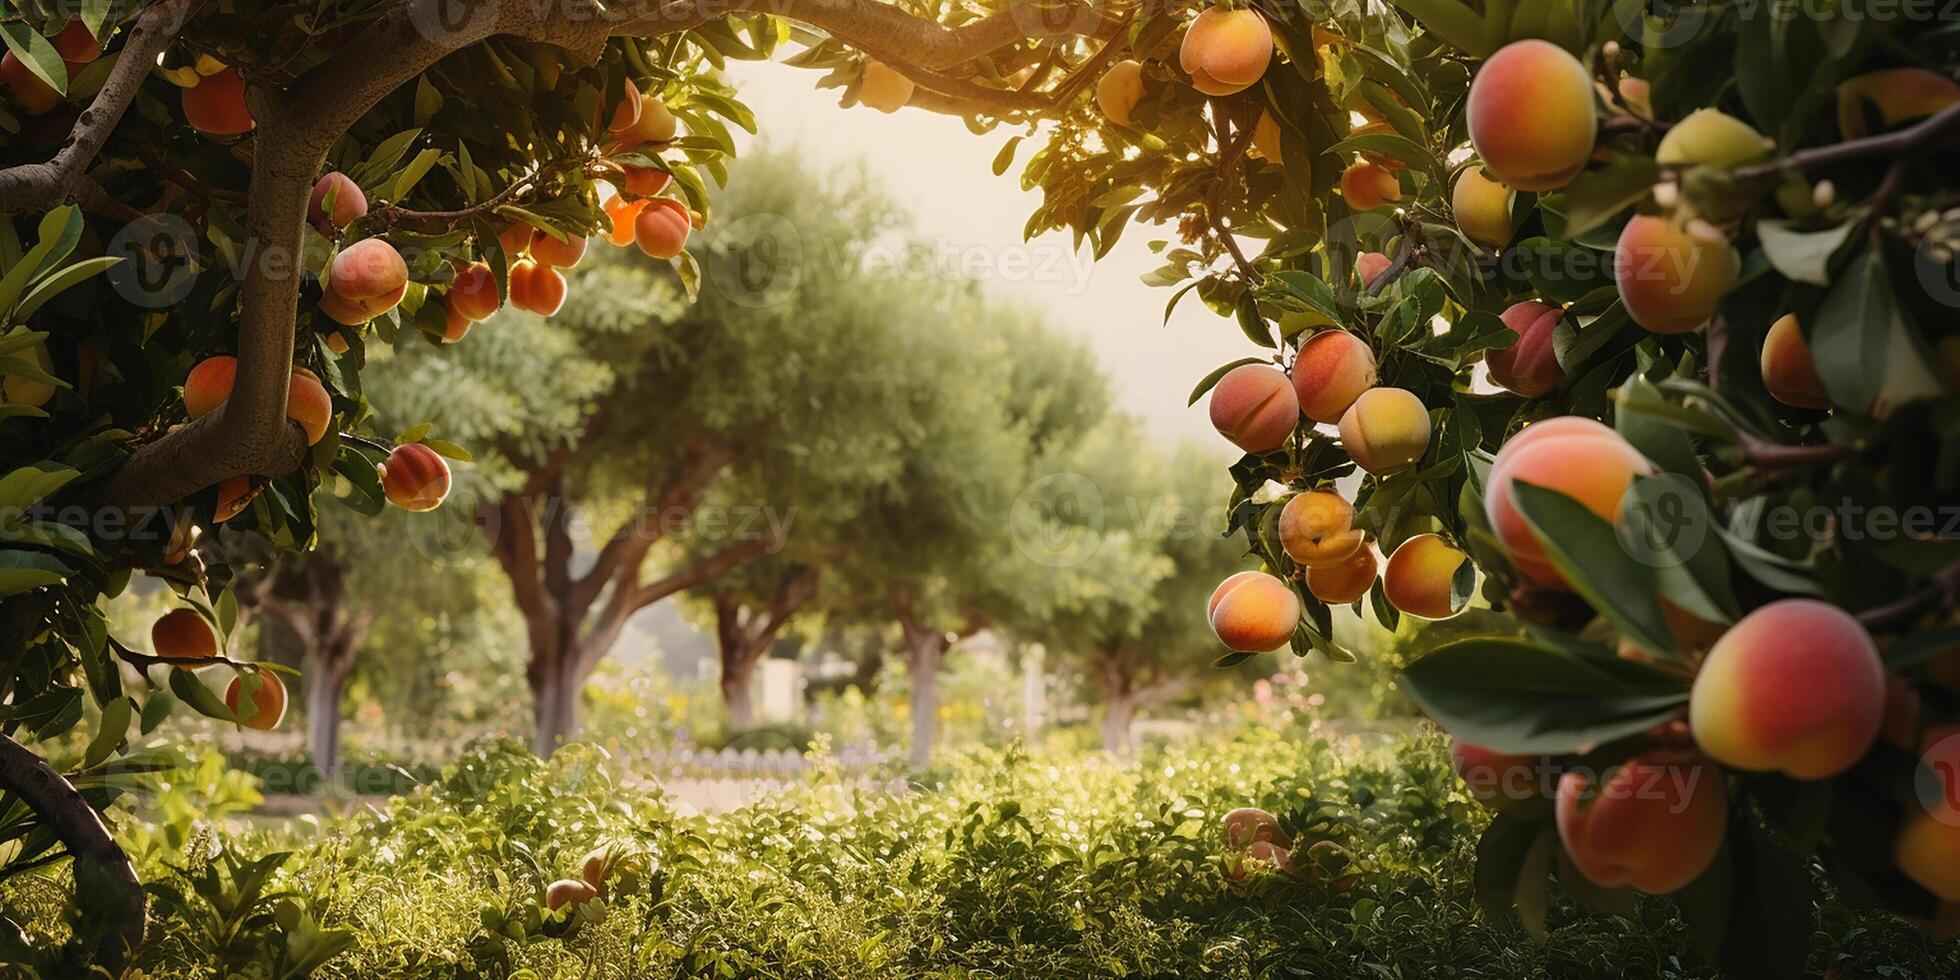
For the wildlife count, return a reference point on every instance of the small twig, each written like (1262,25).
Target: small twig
(390,215)
(1910,141)
(374,444)
(1943,592)
(1773,456)
(1231,153)
(1404,259)
(1714,346)
(144,661)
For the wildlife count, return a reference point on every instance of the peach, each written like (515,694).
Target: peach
(1332,369)
(536,288)
(1265,138)
(308,403)
(76,45)
(1317,530)
(415,477)
(215,106)
(474,291)
(1672,278)
(1347,581)
(268,701)
(1482,208)
(1529,366)
(1713,138)
(1895,95)
(1119,90)
(1795,687)
(624,213)
(644,181)
(1494,779)
(455,326)
(1418,578)
(1385,430)
(1927,848)
(17,390)
(1575,456)
(234,495)
(1248,825)
(516,240)
(1532,115)
(1788,370)
(627,113)
(656,125)
(662,228)
(182,634)
(209,384)
(348,202)
(1654,824)
(366,279)
(561,254)
(1226,51)
(33,95)
(1368,185)
(884,88)
(1253,611)
(1370,265)
(569,891)
(1260,852)
(1254,407)
(612,863)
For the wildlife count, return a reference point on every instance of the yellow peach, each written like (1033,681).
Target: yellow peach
(1419,579)
(1385,430)
(1795,687)
(1532,115)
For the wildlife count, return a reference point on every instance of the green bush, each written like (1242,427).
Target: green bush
(999,864)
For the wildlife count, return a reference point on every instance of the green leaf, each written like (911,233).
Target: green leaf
(1851,335)
(190,689)
(24,570)
(1803,256)
(37,53)
(1504,853)
(1666,522)
(1920,646)
(114,727)
(60,282)
(450,450)
(25,486)
(1252,324)
(1513,696)
(1005,158)
(1596,197)
(1588,554)
(1456,24)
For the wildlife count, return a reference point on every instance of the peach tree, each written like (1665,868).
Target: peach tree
(1538,285)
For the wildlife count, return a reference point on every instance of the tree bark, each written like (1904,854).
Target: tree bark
(738,695)
(323,689)
(743,635)
(925,653)
(1119,710)
(1128,686)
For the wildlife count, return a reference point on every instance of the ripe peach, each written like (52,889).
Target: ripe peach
(536,288)
(209,384)
(644,181)
(884,88)
(182,634)
(1248,825)
(516,240)
(308,403)
(33,95)
(662,228)
(234,495)
(1788,370)
(569,891)
(474,292)
(550,251)
(455,326)
(1529,366)
(366,279)
(76,45)
(1795,686)
(215,106)
(1226,51)
(627,113)
(1577,457)
(1369,185)
(1347,581)
(1119,90)
(1253,405)
(1494,779)
(1385,429)
(1332,369)
(1532,116)
(1927,848)
(1896,95)
(1370,265)
(655,126)
(1418,578)
(1672,278)
(348,202)
(268,701)
(1482,208)
(415,477)
(623,212)
(1654,824)
(1253,611)
(18,390)
(1317,529)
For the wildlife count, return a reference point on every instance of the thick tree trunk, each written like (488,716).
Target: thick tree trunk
(323,689)
(922,663)
(1119,710)
(743,635)
(737,694)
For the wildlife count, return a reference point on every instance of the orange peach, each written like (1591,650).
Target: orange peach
(1532,115)
(1260,856)
(209,384)
(557,253)
(337,342)
(234,495)
(627,113)
(1332,369)
(1226,51)
(1575,456)
(1253,611)
(570,891)
(884,88)
(536,288)
(348,202)
(1653,824)
(182,634)
(624,213)
(474,292)
(1927,848)
(1418,579)
(1385,430)
(268,701)
(662,228)
(1529,366)
(1369,185)
(516,240)
(76,45)
(1482,208)
(1673,277)
(415,477)
(1794,687)
(1253,405)
(366,279)
(1638,96)
(455,326)
(1119,90)
(1371,265)
(33,95)
(1788,370)
(1894,96)
(1493,778)
(1347,581)
(1248,825)
(656,125)
(1317,529)
(215,106)
(308,403)
(644,181)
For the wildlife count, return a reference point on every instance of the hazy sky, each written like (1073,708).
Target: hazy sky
(972,220)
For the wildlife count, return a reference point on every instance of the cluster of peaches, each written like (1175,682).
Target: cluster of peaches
(1255,840)
(185,639)
(603,868)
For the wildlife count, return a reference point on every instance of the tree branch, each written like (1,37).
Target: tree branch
(1912,140)
(111,884)
(1943,592)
